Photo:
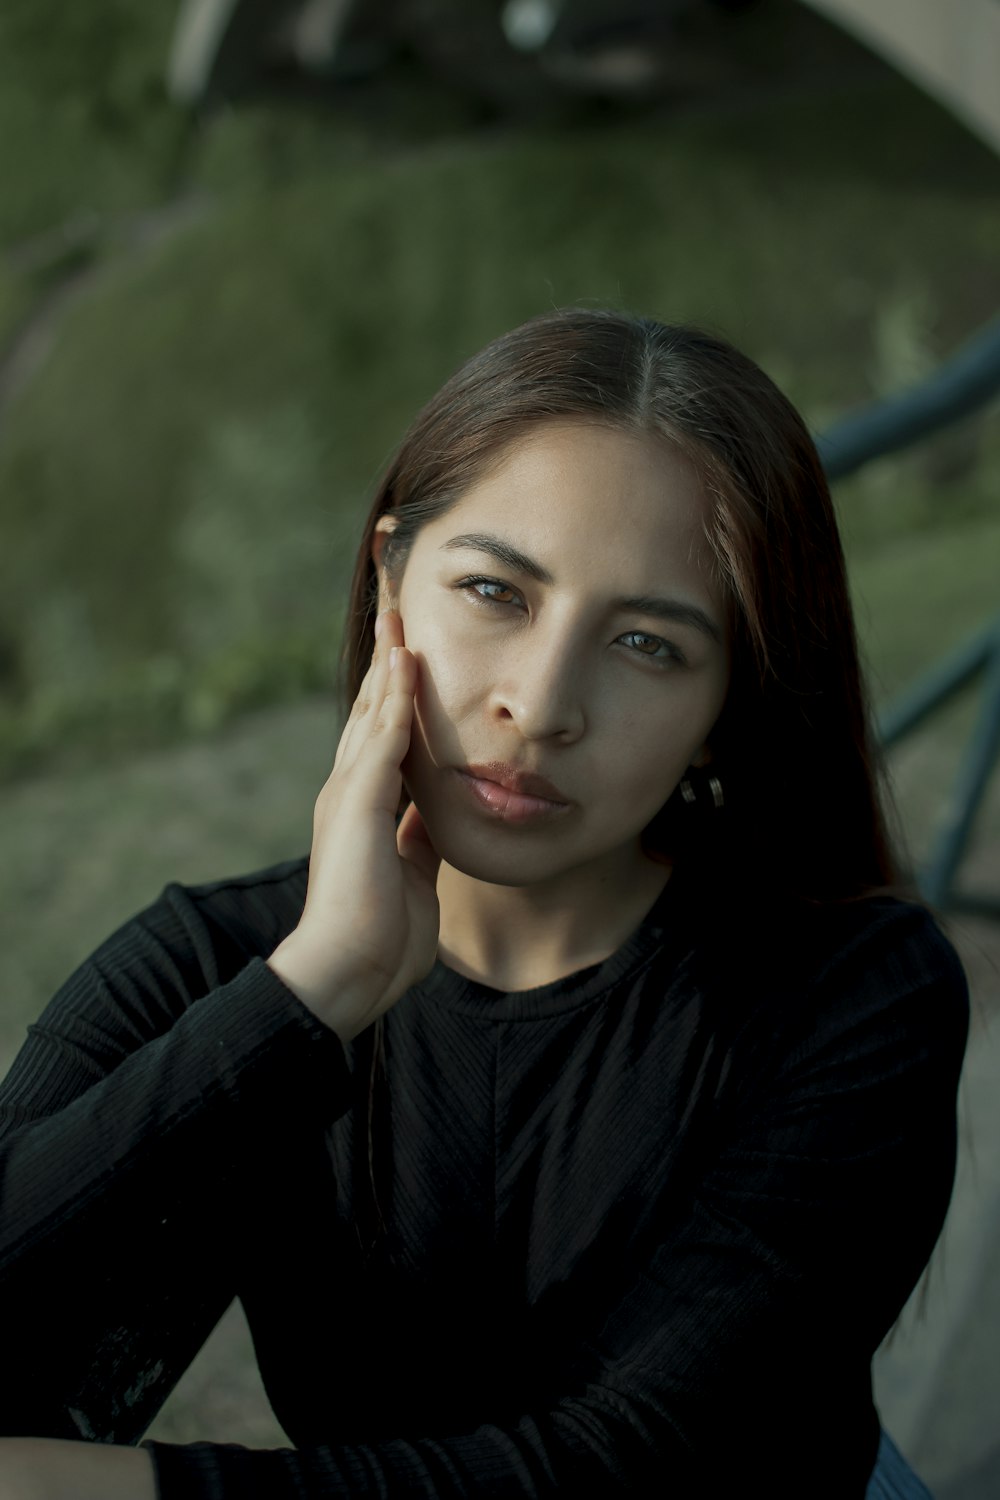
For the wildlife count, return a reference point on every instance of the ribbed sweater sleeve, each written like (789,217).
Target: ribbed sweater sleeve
(752,1315)
(126,1113)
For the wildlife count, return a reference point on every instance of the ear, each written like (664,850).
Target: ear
(384,527)
(702,756)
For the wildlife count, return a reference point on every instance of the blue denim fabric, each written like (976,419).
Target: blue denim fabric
(892,1478)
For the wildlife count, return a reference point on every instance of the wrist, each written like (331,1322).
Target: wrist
(340,998)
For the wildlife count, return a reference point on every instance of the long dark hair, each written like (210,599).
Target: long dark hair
(793,749)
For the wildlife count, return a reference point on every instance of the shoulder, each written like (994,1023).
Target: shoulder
(278,888)
(872,945)
(876,947)
(192,938)
(245,915)
(845,980)
(880,990)
(899,941)
(883,965)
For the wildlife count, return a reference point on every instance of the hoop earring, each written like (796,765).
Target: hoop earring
(689,794)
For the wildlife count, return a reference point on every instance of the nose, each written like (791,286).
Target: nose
(541,684)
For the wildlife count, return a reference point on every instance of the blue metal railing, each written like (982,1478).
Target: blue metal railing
(963,384)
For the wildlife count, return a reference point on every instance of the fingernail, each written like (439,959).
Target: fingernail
(393,655)
(378,625)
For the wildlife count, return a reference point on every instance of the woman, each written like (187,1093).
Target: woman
(579,1117)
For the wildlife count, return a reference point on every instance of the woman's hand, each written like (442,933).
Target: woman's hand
(55,1469)
(369,928)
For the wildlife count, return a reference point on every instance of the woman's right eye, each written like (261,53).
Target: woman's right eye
(475,587)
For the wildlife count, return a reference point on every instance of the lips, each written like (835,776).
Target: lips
(528,783)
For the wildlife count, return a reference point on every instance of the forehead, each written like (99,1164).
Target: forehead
(584,497)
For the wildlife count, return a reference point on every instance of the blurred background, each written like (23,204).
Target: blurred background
(241,241)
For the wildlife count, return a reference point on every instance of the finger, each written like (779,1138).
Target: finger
(374,758)
(392,627)
(388,633)
(414,844)
(371,692)
(362,693)
(395,713)
(358,707)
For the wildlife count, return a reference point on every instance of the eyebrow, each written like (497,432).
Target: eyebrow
(674,610)
(505,552)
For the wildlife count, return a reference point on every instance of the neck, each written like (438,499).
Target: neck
(520,937)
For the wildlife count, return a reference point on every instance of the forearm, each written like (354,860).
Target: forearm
(162,1122)
(51,1469)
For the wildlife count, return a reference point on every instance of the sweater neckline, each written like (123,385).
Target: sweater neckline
(455,992)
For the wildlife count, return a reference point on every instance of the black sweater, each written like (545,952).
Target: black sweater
(642,1228)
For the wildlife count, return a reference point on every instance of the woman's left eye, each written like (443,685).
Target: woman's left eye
(660,650)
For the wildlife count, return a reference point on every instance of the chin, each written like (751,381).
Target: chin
(490,852)
(500,858)
(492,872)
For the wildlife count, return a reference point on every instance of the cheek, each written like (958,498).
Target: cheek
(654,747)
(450,676)
(644,763)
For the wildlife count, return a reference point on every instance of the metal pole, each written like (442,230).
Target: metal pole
(968,790)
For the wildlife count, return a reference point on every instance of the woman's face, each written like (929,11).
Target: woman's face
(566,623)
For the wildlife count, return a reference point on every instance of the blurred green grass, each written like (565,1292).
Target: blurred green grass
(85,125)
